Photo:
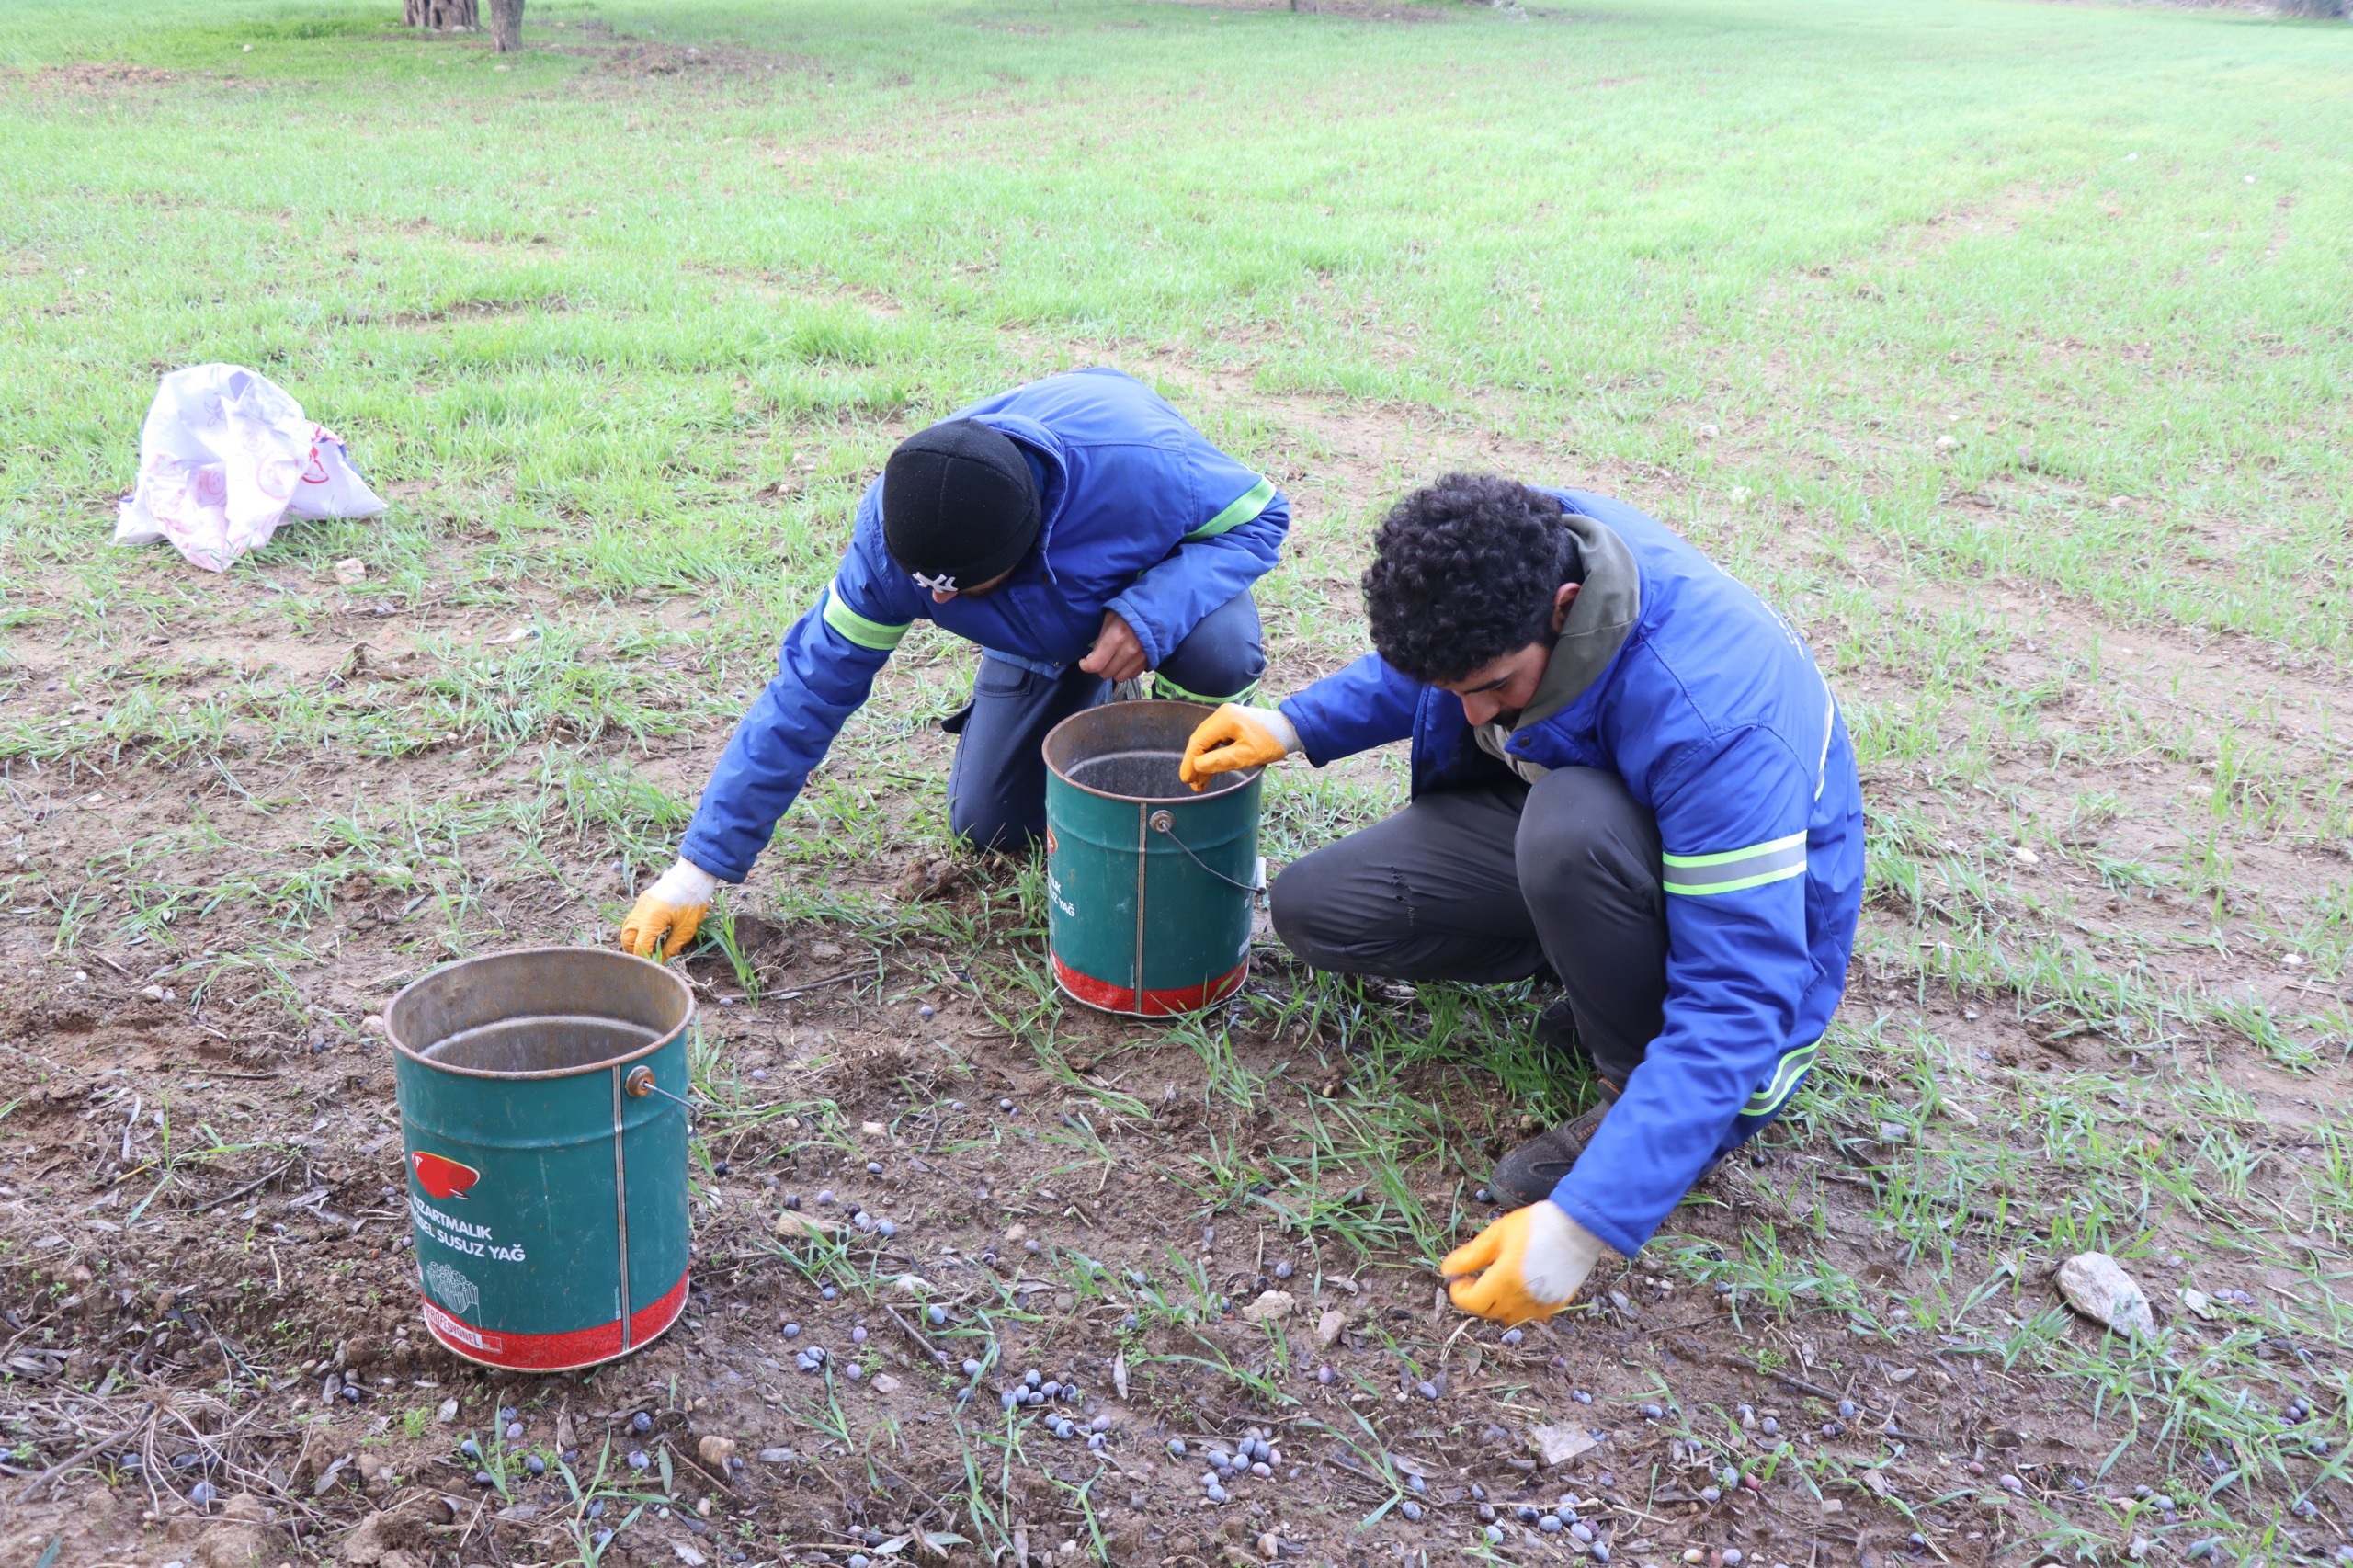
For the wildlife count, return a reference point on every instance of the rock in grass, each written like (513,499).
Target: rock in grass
(2097,1286)
(1559,1444)
(1327,1328)
(794,1225)
(1271,1306)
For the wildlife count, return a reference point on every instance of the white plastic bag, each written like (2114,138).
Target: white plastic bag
(225,457)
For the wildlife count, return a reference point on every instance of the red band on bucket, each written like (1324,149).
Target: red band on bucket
(554,1352)
(1147,1004)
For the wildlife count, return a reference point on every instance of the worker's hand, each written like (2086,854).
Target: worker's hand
(666,916)
(1117,655)
(1530,1263)
(1235,736)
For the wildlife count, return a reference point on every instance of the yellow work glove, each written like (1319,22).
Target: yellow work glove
(668,914)
(1235,737)
(1530,1263)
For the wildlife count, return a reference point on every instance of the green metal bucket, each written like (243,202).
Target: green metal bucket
(542,1097)
(1151,885)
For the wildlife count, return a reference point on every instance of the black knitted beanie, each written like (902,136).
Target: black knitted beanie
(959,504)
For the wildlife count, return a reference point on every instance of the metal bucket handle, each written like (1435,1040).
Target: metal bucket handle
(1165,823)
(640,1084)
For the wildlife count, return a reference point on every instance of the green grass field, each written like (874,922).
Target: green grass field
(2005,346)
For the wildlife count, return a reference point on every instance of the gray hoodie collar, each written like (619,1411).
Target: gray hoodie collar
(1604,611)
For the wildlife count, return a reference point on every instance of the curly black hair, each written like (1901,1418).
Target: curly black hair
(1464,572)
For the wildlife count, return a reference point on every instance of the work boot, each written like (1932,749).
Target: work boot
(1531,1171)
(1556,1028)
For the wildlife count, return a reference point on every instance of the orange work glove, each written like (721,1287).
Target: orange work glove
(668,914)
(1235,737)
(1530,1263)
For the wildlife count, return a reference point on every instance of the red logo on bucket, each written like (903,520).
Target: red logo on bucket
(442,1178)
(1052,847)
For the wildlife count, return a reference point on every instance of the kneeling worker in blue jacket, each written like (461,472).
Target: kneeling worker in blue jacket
(1078,530)
(1626,771)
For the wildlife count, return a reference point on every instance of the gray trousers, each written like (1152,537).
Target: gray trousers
(1492,884)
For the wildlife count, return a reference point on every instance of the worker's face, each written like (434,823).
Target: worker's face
(1504,686)
(978,590)
(1508,684)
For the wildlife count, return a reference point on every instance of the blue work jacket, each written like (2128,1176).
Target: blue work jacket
(1712,712)
(1140,516)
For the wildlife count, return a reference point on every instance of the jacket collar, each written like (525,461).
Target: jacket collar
(1599,619)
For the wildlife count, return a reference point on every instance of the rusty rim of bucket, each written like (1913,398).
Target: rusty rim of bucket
(1140,709)
(686,1016)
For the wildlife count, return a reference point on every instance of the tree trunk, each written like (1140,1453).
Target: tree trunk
(506,25)
(439,15)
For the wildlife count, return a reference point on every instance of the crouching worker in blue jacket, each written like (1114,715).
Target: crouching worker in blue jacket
(1078,530)
(1627,773)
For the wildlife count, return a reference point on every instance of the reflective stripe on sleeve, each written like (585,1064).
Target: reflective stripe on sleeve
(1787,1074)
(1251,502)
(1775,860)
(1162,687)
(877,635)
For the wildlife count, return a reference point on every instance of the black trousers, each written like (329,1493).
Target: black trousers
(996,786)
(1490,884)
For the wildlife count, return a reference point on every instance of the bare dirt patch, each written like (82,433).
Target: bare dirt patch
(99,77)
(478,310)
(640,58)
(319,1298)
